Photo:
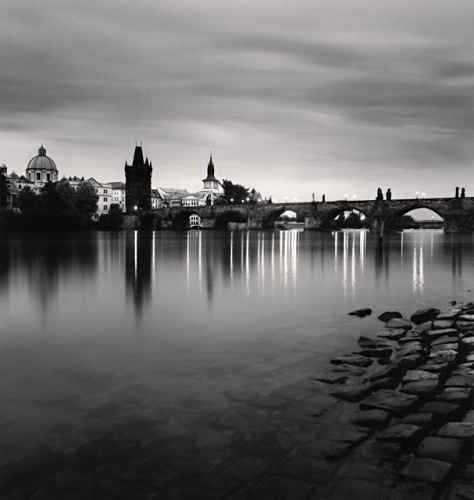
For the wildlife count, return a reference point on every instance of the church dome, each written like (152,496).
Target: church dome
(41,162)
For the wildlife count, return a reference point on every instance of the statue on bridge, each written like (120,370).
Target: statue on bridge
(457,193)
(463,193)
(379,195)
(324,198)
(389,194)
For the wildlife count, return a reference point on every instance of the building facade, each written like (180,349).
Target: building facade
(41,169)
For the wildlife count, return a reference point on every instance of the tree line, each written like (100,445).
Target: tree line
(58,206)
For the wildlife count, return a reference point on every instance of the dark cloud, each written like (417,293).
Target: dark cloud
(364,90)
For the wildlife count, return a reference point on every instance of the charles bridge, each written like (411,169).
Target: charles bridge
(457,214)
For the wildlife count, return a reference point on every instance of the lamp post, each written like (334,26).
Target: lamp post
(346,197)
(417,193)
(423,195)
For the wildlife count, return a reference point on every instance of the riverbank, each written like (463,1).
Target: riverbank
(394,420)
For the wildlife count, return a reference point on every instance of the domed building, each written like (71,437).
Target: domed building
(41,169)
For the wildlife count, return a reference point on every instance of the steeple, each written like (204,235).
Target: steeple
(138,157)
(42,151)
(210,171)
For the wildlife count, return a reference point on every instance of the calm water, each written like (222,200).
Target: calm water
(99,329)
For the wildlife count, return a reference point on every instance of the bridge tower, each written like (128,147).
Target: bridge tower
(138,183)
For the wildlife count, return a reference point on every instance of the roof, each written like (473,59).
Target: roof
(41,161)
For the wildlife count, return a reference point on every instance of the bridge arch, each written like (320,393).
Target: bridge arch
(181,220)
(330,216)
(223,220)
(391,220)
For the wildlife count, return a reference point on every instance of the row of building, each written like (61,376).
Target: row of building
(42,169)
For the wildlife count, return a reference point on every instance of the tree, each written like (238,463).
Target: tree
(113,220)
(234,193)
(86,199)
(3,191)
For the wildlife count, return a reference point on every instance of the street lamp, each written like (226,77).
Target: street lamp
(232,200)
(346,196)
(423,195)
(286,199)
(417,194)
(354,197)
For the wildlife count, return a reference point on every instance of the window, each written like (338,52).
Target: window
(48,177)
(105,191)
(38,176)
(96,216)
(106,207)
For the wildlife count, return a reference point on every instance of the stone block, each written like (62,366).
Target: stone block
(445,339)
(427,469)
(419,375)
(355,392)
(460,381)
(424,315)
(441,448)
(399,323)
(423,388)
(459,430)
(412,490)
(398,433)
(392,334)
(441,409)
(458,395)
(425,420)
(384,383)
(374,419)
(443,324)
(453,346)
(392,401)
(462,490)
(433,334)
(352,359)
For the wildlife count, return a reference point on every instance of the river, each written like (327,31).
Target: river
(98,329)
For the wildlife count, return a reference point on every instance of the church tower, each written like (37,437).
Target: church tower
(210,182)
(138,183)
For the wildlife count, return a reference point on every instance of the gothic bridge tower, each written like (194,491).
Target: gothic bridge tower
(138,183)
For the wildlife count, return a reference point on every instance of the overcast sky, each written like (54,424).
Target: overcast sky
(292,97)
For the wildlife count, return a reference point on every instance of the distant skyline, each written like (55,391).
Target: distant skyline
(327,97)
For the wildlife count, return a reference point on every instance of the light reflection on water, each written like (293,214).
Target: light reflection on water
(170,310)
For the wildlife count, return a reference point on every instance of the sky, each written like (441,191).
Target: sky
(334,97)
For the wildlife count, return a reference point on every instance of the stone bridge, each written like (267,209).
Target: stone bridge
(457,213)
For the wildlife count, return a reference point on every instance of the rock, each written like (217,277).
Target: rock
(331,378)
(394,334)
(419,375)
(390,371)
(384,383)
(412,490)
(447,356)
(375,419)
(462,490)
(354,392)
(443,324)
(464,326)
(398,323)
(376,451)
(383,352)
(467,317)
(445,339)
(399,433)
(427,469)
(424,315)
(432,334)
(460,381)
(441,409)
(349,369)
(421,388)
(374,343)
(388,315)
(441,448)
(409,362)
(352,359)
(467,343)
(457,395)
(435,367)
(361,313)
(425,420)
(445,347)
(392,401)
(459,430)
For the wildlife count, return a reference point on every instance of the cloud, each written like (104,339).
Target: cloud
(291,91)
